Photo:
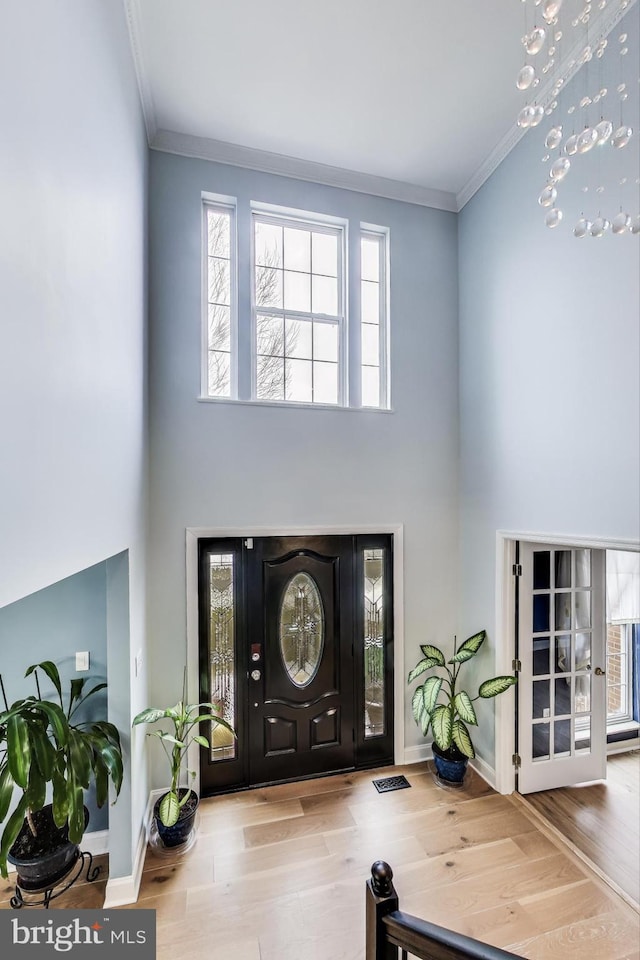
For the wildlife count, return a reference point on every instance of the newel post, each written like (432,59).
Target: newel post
(381,900)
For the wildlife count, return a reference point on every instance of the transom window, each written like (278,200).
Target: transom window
(301,334)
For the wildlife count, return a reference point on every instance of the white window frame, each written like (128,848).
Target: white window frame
(221,204)
(319,223)
(627,683)
(382,235)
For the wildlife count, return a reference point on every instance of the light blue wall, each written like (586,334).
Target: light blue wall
(73,184)
(225,464)
(549,361)
(53,624)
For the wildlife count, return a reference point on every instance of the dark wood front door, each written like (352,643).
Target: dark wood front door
(300,625)
(296,652)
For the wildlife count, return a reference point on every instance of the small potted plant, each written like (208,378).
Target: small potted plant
(46,743)
(439,703)
(175,811)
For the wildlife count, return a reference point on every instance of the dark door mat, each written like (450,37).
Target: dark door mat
(391,783)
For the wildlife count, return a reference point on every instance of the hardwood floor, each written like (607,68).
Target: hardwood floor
(602,820)
(279,874)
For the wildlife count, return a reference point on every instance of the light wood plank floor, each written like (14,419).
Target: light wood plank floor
(602,819)
(279,874)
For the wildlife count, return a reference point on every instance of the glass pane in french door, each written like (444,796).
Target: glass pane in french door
(561,628)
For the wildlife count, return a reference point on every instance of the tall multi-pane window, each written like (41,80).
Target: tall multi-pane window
(219,222)
(298,310)
(373,317)
(307,323)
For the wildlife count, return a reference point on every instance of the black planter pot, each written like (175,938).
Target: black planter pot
(181,831)
(43,860)
(451,765)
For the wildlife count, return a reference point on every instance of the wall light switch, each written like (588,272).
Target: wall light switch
(82,661)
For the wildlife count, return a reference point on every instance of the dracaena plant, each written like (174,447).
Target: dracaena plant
(439,703)
(185,719)
(44,743)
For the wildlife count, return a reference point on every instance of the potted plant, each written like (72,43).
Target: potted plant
(45,743)
(175,811)
(439,703)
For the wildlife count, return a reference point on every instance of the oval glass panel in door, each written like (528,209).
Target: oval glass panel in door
(301,629)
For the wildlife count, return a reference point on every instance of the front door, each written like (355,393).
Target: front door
(561,685)
(296,652)
(300,621)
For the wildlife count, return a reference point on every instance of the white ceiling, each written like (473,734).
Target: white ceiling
(415,91)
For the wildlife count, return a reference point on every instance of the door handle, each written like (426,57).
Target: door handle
(255,674)
(599,672)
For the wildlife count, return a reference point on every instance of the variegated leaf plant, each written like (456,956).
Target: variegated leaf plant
(184,719)
(437,703)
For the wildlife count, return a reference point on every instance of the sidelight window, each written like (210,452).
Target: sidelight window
(222,652)
(374,643)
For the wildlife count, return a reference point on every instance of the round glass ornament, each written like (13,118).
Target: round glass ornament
(600,226)
(525,117)
(621,136)
(621,223)
(582,228)
(538,116)
(587,139)
(551,9)
(548,196)
(553,217)
(571,146)
(559,169)
(525,77)
(535,41)
(553,138)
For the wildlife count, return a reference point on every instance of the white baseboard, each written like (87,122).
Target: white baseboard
(122,890)
(418,754)
(486,772)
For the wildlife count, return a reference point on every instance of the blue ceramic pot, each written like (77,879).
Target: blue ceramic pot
(449,769)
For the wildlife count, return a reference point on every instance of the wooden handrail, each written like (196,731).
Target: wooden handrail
(388,929)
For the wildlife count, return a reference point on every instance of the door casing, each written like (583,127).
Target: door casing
(194,534)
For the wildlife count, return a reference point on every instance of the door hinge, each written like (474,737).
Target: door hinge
(515,760)
(353,736)
(516,665)
(517,570)
(249,543)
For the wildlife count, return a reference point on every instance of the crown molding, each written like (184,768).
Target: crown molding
(201,148)
(603,24)
(132,12)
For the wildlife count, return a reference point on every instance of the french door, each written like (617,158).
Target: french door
(561,684)
(296,652)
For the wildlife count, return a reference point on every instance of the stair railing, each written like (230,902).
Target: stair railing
(388,929)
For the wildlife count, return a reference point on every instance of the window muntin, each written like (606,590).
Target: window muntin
(299,320)
(373,317)
(220,297)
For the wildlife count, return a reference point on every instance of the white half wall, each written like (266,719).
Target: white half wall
(73,190)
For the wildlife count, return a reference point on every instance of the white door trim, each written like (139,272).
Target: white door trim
(193,534)
(505,637)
